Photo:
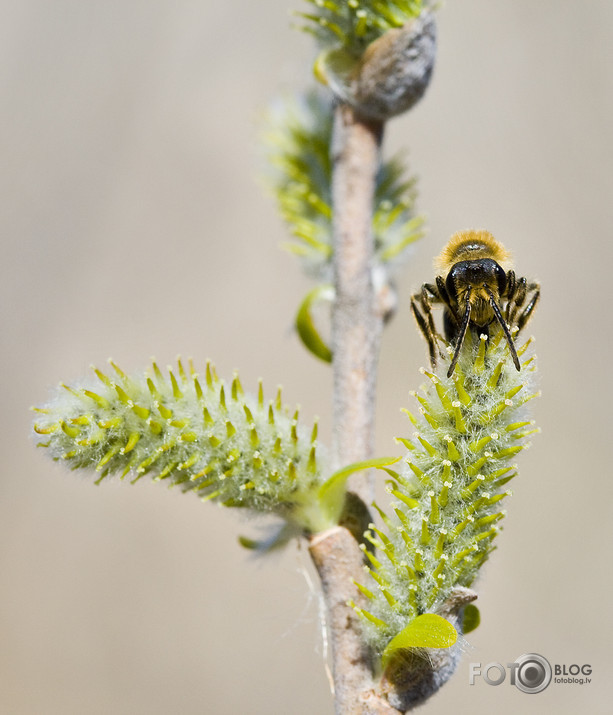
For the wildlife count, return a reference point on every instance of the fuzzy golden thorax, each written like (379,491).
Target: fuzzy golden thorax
(471,245)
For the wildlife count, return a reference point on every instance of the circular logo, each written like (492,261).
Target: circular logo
(533,673)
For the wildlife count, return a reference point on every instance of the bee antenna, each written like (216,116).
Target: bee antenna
(461,334)
(504,327)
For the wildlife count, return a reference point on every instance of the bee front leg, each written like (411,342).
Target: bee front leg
(425,324)
(510,291)
(517,300)
(427,296)
(526,313)
(444,296)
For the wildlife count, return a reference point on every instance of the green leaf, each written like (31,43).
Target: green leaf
(305,325)
(335,67)
(331,494)
(426,631)
(248,543)
(471,618)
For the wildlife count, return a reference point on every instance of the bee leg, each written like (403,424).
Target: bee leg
(510,291)
(450,326)
(504,326)
(526,314)
(461,335)
(514,305)
(451,319)
(444,296)
(426,304)
(424,326)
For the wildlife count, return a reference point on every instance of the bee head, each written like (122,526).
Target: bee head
(476,274)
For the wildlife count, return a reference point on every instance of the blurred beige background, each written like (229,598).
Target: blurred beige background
(132,225)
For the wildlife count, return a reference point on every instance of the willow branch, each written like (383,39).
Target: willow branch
(339,562)
(356,331)
(356,321)
(394,75)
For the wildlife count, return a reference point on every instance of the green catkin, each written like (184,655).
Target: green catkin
(208,438)
(449,494)
(354,24)
(297,136)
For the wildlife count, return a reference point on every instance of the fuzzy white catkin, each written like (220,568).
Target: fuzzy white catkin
(448,494)
(202,435)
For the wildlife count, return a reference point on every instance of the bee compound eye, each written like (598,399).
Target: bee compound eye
(501,279)
(450,283)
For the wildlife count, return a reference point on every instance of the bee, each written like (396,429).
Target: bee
(479,287)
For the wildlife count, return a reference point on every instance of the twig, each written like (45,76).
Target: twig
(356,321)
(339,563)
(356,331)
